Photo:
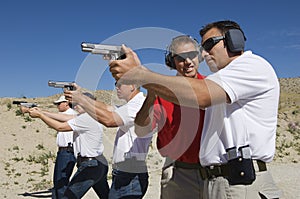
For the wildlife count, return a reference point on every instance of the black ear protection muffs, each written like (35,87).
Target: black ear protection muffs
(169,59)
(235,40)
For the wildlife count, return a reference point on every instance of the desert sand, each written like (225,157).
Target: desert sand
(28,149)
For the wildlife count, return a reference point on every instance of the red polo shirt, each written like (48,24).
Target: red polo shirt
(179,130)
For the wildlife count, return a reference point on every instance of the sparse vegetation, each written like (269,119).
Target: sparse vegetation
(16,159)
(288,128)
(9,106)
(27,118)
(40,147)
(44,184)
(36,163)
(18,112)
(16,148)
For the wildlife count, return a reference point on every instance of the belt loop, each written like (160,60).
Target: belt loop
(261,165)
(219,170)
(203,173)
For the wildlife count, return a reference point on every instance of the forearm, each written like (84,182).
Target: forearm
(59,116)
(53,123)
(177,89)
(144,118)
(100,111)
(185,91)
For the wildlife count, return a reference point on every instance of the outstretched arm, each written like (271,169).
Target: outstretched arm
(100,111)
(57,125)
(59,116)
(181,90)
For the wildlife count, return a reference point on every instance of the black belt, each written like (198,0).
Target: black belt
(223,170)
(185,165)
(82,159)
(66,148)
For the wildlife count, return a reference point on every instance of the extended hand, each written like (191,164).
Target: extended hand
(73,96)
(34,112)
(119,68)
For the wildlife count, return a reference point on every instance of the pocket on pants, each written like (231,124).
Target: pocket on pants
(121,181)
(122,188)
(267,186)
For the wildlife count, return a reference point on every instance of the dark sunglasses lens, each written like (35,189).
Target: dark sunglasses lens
(208,44)
(192,54)
(183,56)
(179,58)
(211,42)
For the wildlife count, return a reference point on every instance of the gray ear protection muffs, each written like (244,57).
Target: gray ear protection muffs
(235,40)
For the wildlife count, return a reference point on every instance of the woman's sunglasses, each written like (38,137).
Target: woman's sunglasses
(181,57)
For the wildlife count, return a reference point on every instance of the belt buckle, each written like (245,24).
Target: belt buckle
(213,171)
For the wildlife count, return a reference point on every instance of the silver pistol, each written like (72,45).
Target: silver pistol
(61,84)
(109,52)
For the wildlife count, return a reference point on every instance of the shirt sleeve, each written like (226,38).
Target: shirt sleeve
(127,114)
(243,78)
(78,123)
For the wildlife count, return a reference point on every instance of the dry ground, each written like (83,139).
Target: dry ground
(28,148)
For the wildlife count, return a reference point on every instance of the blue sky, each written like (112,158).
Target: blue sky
(40,40)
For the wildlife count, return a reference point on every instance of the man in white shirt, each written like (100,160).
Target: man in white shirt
(88,149)
(130,176)
(65,159)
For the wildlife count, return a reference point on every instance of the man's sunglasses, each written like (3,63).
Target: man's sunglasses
(211,42)
(181,57)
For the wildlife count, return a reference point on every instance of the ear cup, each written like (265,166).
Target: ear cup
(169,60)
(200,58)
(235,40)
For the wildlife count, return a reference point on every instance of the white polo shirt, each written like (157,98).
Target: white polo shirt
(250,118)
(87,136)
(63,138)
(126,140)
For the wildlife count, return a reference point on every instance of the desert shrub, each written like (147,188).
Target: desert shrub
(18,112)
(40,147)
(27,119)
(9,106)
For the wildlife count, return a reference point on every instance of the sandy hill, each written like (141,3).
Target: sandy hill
(28,147)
